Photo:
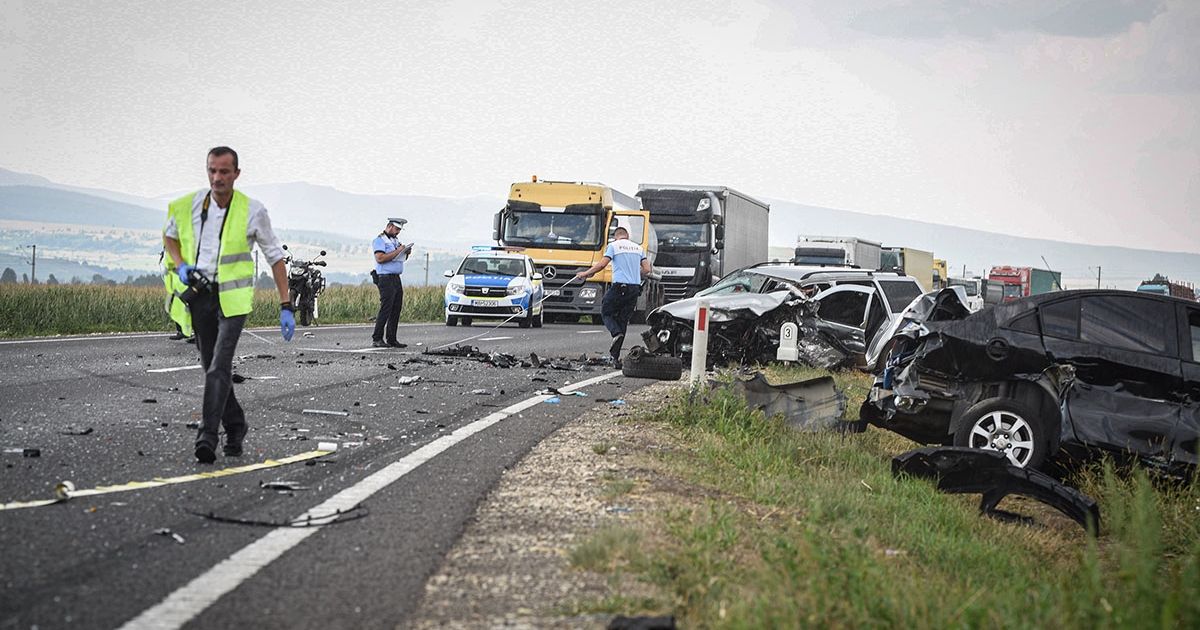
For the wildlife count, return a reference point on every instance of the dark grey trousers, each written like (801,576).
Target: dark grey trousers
(217,338)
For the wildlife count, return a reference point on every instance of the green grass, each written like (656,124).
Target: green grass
(812,530)
(65,309)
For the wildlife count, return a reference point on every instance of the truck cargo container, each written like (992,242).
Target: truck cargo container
(1162,285)
(912,262)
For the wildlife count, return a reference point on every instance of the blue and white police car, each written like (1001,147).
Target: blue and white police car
(495,283)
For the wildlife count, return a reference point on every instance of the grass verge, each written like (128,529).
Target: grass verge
(797,530)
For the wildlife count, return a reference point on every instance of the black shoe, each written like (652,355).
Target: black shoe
(378,344)
(615,349)
(233,443)
(176,336)
(205,454)
(396,344)
(191,339)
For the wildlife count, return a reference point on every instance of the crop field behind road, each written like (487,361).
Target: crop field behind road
(69,309)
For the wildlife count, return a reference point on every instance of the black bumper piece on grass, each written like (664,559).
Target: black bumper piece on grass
(963,470)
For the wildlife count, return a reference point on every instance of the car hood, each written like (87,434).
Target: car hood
(724,308)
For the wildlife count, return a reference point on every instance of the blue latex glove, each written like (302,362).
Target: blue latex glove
(184,270)
(287,324)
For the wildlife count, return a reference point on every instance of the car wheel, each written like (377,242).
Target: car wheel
(451,320)
(537,321)
(641,364)
(1005,425)
(466,321)
(526,321)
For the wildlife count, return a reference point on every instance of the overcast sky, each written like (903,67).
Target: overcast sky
(1065,119)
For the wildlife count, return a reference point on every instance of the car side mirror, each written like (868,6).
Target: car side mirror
(537,275)
(448,273)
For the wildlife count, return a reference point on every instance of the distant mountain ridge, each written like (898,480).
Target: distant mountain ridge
(455,224)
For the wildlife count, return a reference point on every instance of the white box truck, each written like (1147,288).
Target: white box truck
(837,250)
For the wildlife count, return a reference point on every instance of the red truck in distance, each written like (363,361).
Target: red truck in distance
(1019,282)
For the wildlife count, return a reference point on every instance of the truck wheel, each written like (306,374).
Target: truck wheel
(451,320)
(641,364)
(1006,425)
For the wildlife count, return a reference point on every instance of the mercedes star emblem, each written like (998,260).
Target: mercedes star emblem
(549,272)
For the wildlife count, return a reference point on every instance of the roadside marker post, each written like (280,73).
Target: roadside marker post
(699,344)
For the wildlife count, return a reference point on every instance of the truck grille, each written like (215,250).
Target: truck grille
(675,288)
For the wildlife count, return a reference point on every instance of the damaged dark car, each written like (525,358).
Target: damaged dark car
(837,311)
(1070,373)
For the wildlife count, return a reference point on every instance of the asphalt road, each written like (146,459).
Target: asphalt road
(153,539)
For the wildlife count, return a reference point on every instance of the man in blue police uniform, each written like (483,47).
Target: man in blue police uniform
(390,255)
(629,266)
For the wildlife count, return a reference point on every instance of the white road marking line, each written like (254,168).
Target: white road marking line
(187,602)
(494,338)
(175,369)
(592,332)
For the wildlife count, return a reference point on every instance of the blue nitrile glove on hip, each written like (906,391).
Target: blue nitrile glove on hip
(184,270)
(287,324)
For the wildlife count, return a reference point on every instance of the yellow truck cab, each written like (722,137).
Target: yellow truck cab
(565,227)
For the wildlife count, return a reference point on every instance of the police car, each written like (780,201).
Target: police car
(495,283)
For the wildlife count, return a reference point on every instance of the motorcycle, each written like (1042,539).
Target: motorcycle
(305,285)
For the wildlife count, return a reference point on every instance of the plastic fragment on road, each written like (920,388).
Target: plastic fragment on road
(281,485)
(167,532)
(64,490)
(87,431)
(326,412)
(553,401)
(408,380)
(616,401)
(328,447)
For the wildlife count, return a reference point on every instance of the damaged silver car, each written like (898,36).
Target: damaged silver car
(837,311)
(1069,373)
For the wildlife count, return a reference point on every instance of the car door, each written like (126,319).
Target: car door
(1187,436)
(1128,379)
(849,310)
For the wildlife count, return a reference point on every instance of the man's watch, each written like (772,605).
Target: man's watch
(286,306)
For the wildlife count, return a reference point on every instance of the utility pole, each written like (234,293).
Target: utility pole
(32,263)
(426,268)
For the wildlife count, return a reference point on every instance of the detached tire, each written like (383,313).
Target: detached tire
(1006,425)
(640,364)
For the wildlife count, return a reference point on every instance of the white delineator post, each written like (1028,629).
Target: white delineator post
(699,344)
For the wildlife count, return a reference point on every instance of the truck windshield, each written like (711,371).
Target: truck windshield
(1012,291)
(565,230)
(676,235)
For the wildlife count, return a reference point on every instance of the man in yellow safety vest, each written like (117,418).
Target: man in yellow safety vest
(208,237)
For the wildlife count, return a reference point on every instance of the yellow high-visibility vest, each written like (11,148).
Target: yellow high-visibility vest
(235,264)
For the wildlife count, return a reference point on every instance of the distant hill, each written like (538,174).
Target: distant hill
(344,223)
